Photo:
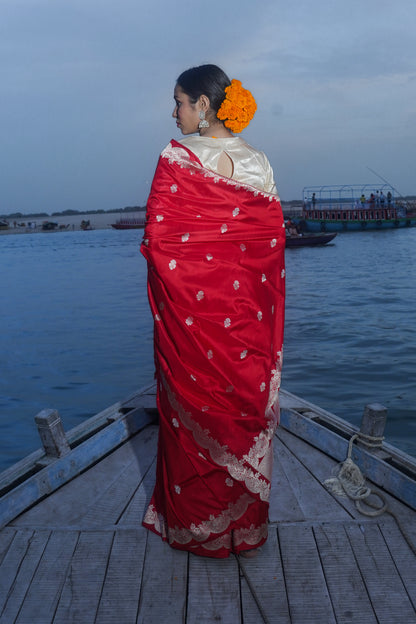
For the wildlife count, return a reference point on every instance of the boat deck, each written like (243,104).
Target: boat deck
(81,555)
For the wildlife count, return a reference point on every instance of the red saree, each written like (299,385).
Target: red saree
(215,253)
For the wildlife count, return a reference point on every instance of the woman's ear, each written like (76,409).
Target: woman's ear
(204,102)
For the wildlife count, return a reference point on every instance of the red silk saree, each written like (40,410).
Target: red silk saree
(215,254)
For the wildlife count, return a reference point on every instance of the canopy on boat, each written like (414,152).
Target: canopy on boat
(345,193)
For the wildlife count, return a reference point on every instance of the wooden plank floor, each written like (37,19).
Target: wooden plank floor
(81,556)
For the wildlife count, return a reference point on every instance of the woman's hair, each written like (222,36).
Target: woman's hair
(207,80)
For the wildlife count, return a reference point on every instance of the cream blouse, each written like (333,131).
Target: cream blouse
(250,166)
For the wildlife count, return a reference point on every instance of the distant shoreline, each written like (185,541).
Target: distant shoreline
(103,220)
(67,223)
(98,221)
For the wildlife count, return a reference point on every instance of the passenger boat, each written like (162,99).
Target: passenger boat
(72,548)
(129,223)
(307,240)
(354,208)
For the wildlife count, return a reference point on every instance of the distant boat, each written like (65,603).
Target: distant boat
(129,223)
(49,226)
(4,225)
(354,208)
(86,225)
(306,240)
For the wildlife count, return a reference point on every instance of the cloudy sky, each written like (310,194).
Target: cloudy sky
(86,92)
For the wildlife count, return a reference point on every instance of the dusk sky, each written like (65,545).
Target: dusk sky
(86,92)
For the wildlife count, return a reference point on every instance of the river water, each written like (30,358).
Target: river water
(77,332)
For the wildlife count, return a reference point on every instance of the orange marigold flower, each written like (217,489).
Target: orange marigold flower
(238,107)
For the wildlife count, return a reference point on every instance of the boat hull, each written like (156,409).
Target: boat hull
(127,226)
(312,239)
(327,225)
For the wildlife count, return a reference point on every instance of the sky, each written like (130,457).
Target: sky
(86,92)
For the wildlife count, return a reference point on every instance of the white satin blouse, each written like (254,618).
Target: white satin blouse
(250,166)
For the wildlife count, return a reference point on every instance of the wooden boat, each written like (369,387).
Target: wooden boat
(72,548)
(309,239)
(355,208)
(49,226)
(129,223)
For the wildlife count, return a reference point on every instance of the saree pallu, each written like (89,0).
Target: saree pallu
(215,254)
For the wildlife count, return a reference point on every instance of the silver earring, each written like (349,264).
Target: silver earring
(203,123)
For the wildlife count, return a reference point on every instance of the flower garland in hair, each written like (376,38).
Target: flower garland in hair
(238,107)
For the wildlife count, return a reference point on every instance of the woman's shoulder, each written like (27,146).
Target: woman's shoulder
(230,144)
(253,150)
(189,140)
(209,142)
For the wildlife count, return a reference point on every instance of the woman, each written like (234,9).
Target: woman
(214,242)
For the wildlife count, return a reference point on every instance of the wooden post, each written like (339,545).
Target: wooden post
(372,425)
(52,433)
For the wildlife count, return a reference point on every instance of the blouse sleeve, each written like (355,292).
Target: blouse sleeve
(269,183)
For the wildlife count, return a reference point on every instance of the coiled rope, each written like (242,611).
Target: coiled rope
(349,481)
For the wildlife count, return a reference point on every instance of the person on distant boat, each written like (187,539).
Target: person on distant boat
(362,199)
(291,228)
(214,243)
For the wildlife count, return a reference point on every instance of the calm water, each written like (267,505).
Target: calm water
(77,332)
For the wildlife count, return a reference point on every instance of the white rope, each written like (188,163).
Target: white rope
(369,440)
(349,481)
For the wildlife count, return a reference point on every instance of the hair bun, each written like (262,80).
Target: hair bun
(238,107)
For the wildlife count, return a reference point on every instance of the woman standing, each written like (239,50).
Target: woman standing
(214,242)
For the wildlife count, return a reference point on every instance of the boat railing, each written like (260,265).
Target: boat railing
(408,207)
(346,204)
(352,214)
